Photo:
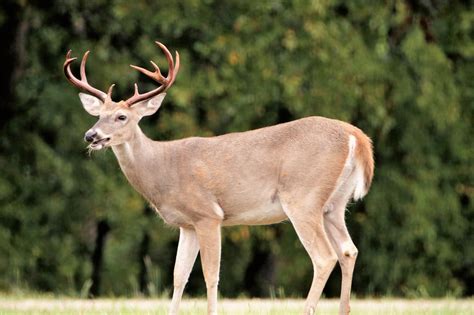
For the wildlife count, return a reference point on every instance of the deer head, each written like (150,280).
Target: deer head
(118,120)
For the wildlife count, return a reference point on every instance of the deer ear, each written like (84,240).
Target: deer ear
(149,107)
(90,103)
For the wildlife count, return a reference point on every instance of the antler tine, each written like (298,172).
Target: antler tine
(156,75)
(136,88)
(168,55)
(81,83)
(160,77)
(83,66)
(176,69)
(171,73)
(67,62)
(68,56)
(109,92)
(155,65)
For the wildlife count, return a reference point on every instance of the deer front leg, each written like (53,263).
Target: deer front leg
(209,236)
(188,248)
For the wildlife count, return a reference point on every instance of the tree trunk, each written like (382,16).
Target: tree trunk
(143,278)
(260,275)
(103,229)
(13,33)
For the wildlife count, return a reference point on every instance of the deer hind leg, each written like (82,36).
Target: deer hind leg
(341,241)
(309,226)
(209,236)
(188,248)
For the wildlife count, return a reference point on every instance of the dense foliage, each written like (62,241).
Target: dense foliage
(400,70)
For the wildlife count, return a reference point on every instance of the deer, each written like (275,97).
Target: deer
(304,171)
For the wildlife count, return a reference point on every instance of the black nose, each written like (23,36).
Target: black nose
(90,135)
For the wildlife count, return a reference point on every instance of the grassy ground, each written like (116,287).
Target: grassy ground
(12,305)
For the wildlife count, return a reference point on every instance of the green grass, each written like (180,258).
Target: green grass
(62,306)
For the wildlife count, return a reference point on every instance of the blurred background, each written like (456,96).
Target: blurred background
(400,70)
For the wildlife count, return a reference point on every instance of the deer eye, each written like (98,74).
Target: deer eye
(122,117)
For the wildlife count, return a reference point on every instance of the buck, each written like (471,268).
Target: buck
(303,171)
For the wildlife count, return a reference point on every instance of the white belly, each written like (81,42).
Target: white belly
(268,213)
(173,216)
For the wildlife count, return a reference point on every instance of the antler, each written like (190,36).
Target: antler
(156,75)
(82,83)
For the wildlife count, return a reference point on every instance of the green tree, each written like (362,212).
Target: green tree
(400,70)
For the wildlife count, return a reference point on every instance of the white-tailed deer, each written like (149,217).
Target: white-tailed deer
(305,171)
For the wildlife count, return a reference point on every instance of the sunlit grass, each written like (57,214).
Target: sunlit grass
(50,305)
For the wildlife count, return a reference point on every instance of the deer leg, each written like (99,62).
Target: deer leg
(188,248)
(209,236)
(310,229)
(346,252)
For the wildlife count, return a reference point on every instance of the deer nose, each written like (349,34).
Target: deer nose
(90,135)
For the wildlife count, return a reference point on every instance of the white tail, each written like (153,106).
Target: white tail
(305,171)
(355,169)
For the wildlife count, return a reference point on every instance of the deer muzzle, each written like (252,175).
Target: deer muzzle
(90,135)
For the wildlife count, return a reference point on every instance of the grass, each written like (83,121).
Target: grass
(63,306)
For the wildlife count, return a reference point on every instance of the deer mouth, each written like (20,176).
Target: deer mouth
(99,144)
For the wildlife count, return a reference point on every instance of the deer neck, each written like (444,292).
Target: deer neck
(133,151)
(137,157)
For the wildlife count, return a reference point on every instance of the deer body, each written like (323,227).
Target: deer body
(239,176)
(305,171)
